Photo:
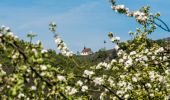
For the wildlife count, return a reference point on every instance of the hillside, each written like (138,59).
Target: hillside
(107,55)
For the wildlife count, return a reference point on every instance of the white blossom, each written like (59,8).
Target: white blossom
(152,75)
(79,83)
(111,82)
(167,71)
(102,95)
(98,81)
(160,49)
(153,57)
(146,51)
(15,56)
(117,47)
(140,16)
(161,78)
(71,90)
(128,63)
(126,96)
(108,66)
(121,83)
(58,40)
(61,78)
(133,53)
(20,95)
(7,28)
(121,60)
(134,79)
(69,54)
(84,88)
(129,86)
(33,88)
(42,73)
(114,39)
(167,97)
(8,86)
(120,92)
(113,61)
(10,34)
(43,51)
(62,47)
(28,70)
(99,66)
(148,85)
(164,58)
(88,73)
(103,64)
(144,58)
(35,51)
(43,67)
(122,76)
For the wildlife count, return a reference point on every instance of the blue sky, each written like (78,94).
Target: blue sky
(80,22)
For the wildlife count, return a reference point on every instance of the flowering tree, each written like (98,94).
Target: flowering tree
(141,71)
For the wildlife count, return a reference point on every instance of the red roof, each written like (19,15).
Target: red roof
(86,50)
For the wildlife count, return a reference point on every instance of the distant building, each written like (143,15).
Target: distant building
(86,51)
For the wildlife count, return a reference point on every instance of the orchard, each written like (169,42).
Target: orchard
(139,72)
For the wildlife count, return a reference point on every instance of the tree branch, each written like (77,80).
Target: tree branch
(111,91)
(16,46)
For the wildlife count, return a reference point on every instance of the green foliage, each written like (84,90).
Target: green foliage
(139,70)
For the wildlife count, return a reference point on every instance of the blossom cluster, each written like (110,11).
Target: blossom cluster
(71,90)
(6,30)
(132,70)
(141,17)
(62,47)
(84,88)
(138,72)
(60,43)
(126,75)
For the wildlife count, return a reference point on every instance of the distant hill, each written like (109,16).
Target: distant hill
(166,39)
(107,55)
